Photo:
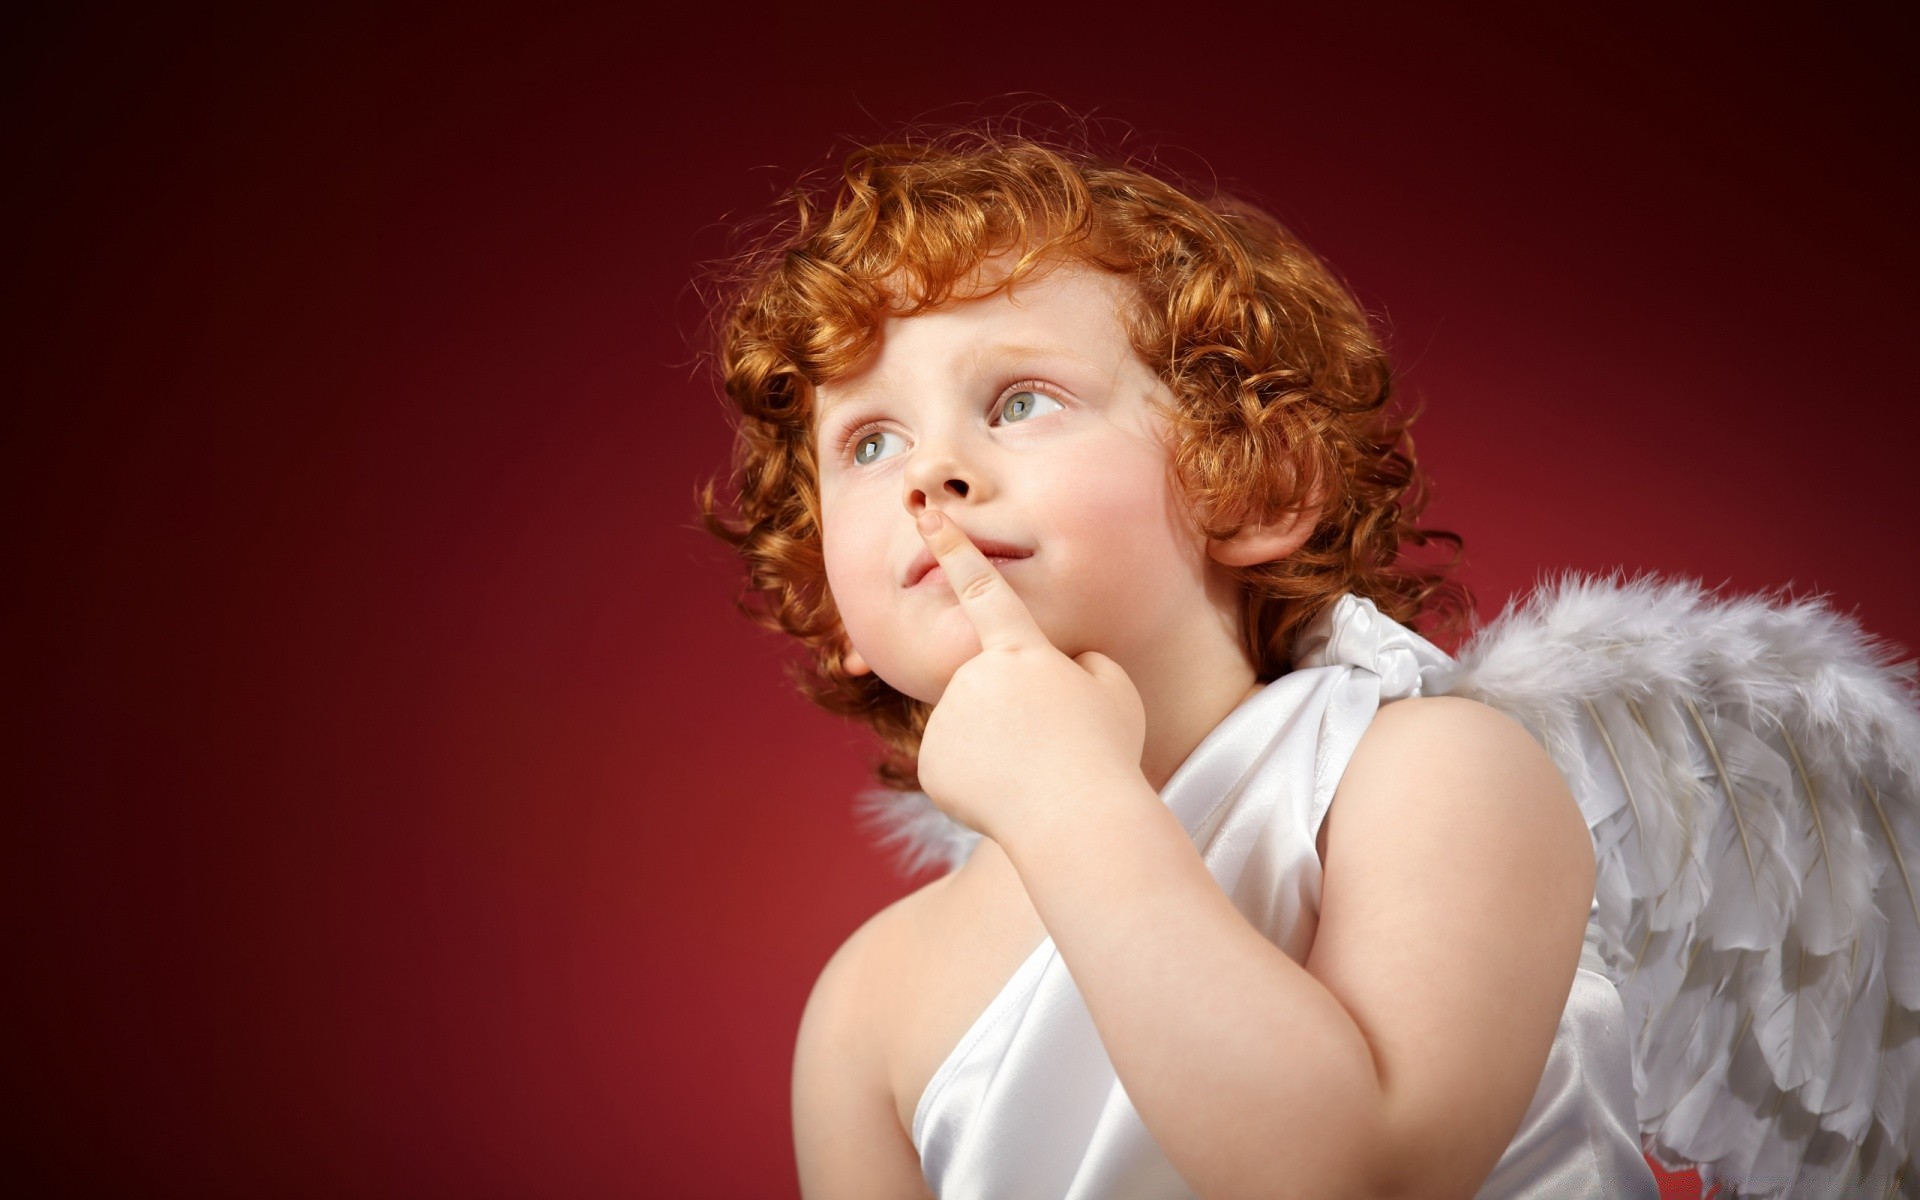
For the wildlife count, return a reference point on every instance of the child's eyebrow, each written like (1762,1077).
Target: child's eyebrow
(824,407)
(1015,350)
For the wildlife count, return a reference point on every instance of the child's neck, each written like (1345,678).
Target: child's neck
(1185,699)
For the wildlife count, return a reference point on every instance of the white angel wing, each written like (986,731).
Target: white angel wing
(913,828)
(1750,770)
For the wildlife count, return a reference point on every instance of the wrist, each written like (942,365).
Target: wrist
(1071,813)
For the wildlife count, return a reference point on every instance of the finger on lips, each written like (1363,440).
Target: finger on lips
(997,614)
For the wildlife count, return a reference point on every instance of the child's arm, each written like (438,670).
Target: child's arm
(846,1135)
(1400,1060)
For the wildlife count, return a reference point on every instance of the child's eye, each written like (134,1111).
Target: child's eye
(875,445)
(1025,403)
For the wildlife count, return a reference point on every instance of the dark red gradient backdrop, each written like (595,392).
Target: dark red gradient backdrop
(399,808)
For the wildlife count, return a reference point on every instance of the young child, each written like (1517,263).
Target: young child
(1082,492)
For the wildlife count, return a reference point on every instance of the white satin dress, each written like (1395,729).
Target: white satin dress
(1027,1107)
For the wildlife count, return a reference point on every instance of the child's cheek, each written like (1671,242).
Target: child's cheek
(850,581)
(1135,508)
(1128,537)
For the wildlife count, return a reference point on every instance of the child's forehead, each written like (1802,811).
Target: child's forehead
(1060,312)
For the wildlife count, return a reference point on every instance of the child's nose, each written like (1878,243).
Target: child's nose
(917,496)
(941,476)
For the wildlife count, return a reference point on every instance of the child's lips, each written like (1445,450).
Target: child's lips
(939,574)
(924,567)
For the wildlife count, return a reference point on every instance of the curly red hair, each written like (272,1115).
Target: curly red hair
(1282,387)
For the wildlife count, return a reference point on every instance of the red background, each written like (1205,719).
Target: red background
(400,807)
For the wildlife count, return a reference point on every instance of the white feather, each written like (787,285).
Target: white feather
(1758,849)
(915,830)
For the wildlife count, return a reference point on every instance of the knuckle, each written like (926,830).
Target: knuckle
(978,587)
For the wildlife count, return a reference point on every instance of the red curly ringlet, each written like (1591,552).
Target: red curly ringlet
(1282,387)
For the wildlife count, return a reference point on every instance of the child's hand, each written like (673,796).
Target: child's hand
(1020,725)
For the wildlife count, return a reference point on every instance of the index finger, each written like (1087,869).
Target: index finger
(998,615)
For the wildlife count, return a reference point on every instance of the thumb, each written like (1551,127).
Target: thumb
(1113,679)
(1101,667)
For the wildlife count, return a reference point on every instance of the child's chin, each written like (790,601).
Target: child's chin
(926,680)
(927,688)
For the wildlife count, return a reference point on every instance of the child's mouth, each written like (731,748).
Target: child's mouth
(937,575)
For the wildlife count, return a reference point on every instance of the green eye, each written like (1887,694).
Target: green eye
(1022,405)
(873,447)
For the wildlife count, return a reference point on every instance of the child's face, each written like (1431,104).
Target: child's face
(1027,418)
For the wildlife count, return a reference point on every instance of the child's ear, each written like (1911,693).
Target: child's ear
(853,664)
(1265,543)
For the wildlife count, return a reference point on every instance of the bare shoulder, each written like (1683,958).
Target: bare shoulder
(1490,755)
(1451,729)
(1477,774)
(847,1135)
(1458,877)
